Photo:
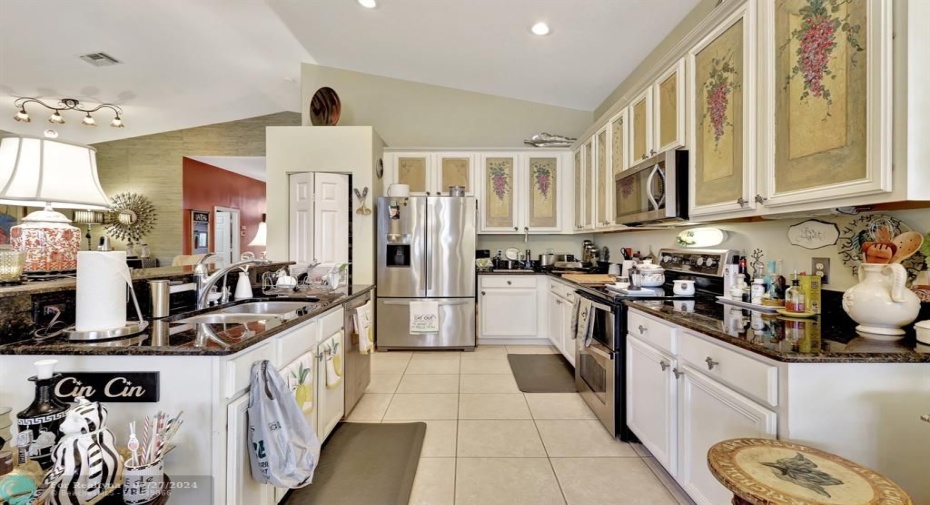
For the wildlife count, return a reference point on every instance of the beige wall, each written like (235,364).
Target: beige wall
(412,114)
(340,149)
(151,165)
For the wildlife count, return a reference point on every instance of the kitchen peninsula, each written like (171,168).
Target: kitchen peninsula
(208,381)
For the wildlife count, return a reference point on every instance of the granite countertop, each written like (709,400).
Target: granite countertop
(138,274)
(828,338)
(164,337)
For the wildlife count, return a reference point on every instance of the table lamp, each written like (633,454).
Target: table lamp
(40,172)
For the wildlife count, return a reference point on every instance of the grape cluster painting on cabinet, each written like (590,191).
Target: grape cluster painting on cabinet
(542,192)
(719,93)
(499,191)
(820,93)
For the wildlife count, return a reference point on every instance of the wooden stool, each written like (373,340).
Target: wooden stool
(775,472)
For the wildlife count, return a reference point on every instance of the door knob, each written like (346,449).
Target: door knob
(711,363)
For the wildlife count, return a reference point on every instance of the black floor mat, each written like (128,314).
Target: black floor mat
(542,373)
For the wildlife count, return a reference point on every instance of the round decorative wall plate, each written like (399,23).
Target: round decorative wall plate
(379,171)
(325,107)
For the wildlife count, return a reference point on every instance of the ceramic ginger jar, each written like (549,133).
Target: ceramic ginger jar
(881,303)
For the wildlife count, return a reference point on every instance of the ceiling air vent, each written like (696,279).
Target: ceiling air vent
(100,59)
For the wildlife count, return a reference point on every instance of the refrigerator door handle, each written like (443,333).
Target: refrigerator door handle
(463,301)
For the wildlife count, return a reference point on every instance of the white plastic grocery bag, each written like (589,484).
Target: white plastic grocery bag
(282,444)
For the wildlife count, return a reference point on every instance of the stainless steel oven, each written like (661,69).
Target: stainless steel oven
(654,190)
(597,365)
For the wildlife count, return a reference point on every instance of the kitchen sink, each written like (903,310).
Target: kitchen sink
(220,318)
(268,308)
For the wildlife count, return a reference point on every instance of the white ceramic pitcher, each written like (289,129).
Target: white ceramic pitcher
(881,303)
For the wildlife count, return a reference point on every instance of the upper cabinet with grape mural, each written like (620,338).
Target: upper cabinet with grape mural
(522,193)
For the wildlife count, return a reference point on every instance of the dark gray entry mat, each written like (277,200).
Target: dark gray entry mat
(542,373)
(365,463)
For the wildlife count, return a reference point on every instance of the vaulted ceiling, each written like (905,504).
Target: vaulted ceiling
(190,63)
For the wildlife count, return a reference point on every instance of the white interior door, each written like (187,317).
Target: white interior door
(222,243)
(300,222)
(331,218)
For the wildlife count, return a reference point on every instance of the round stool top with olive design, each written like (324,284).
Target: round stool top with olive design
(774,472)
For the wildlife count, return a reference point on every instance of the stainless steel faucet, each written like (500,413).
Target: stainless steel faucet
(205,283)
(200,274)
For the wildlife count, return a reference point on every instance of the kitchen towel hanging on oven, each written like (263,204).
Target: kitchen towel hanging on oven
(424,317)
(282,444)
(582,320)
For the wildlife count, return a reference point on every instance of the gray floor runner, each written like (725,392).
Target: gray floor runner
(542,373)
(365,464)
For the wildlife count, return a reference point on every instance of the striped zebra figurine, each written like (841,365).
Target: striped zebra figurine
(87,465)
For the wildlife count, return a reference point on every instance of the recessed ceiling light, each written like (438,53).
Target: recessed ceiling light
(368,4)
(539,28)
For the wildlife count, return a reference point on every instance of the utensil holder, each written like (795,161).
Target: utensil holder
(143,483)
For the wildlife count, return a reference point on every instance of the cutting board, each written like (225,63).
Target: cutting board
(589,278)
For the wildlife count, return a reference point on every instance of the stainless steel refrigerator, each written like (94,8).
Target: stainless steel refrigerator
(426,252)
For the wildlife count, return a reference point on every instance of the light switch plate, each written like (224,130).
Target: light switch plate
(821,267)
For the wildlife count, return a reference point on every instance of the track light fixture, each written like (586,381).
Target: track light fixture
(67,104)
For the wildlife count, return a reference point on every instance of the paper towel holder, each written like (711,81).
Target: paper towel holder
(130,328)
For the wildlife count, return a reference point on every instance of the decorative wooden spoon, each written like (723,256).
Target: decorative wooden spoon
(908,243)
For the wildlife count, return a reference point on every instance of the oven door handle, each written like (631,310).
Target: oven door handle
(603,354)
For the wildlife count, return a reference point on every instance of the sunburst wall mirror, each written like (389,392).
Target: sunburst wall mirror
(131,217)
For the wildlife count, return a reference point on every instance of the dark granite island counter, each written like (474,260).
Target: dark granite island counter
(209,383)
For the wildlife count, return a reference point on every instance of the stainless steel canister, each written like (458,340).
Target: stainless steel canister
(159,296)
(457,190)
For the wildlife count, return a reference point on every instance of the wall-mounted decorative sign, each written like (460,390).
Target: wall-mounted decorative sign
(701,237)
(110,387)
(813,234)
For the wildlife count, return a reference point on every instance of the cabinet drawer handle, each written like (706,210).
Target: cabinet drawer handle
(642,329)
(678,373)
(515,228)
(664,364)
(711,363)
(509,283)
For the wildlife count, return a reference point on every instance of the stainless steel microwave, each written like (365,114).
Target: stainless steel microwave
(653,191)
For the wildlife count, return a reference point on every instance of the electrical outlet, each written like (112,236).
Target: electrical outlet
(821,267)
(45,308)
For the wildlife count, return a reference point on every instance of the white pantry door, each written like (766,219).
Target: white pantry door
(222,244)
(300,222)
(331,218)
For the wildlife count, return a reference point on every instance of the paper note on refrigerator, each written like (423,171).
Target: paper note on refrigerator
(424,317)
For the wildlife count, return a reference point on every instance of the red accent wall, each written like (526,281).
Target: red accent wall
(205,186)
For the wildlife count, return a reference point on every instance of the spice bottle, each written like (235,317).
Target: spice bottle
(794,296)
(757,290)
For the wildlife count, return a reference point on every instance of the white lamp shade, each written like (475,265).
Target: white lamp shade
(38,172)
(260,236)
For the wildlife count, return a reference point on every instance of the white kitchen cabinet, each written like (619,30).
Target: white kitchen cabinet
(584,187)
(507,307)
(651,402)
(668,94)
(710,413)
(560,300)
(578,190)
(431,173)
(641,128)
(241,488)
(521,192)
(604,183)
(619,144)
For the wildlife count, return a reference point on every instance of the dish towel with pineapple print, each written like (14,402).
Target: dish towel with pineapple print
(364,326)
(333,361)
(299,376)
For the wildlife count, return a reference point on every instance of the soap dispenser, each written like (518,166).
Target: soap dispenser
(243,287)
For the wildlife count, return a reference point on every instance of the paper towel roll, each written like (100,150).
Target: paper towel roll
(102,278)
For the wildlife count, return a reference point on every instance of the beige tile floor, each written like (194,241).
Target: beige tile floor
(487,443)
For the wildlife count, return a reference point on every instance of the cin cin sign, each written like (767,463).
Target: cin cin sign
(110,387)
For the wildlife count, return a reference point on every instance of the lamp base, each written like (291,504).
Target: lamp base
(48,241)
